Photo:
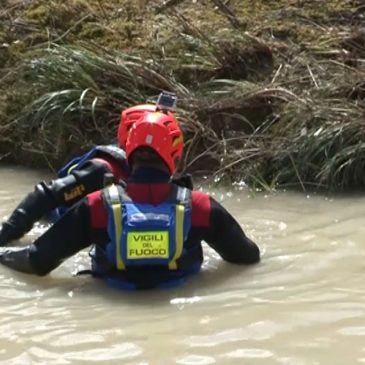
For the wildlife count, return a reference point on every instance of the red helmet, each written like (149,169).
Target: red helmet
(160,132)
(127,119)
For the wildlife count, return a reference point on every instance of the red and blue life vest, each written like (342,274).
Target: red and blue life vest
(148,238)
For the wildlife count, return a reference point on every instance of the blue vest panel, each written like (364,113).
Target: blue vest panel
(144,234)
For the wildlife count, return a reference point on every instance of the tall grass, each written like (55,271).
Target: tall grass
(273,114)
(80,97)
(81,94)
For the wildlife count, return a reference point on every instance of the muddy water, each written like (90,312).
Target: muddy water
(303,304)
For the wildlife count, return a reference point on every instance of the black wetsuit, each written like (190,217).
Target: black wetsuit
(65,191)
(86,223)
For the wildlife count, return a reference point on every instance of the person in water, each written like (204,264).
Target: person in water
(147,232)
(82,175)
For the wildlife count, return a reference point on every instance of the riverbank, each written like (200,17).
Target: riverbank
(270,92)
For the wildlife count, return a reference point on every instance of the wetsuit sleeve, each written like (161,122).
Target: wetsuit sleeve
(65,238)
(85,179)
(227,238)
(64,191)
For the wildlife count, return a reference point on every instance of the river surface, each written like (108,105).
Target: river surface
(303,304)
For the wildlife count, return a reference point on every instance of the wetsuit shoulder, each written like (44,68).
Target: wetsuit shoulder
(201,209)
(222,232)
(98,211)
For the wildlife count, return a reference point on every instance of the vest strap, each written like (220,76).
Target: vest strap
(114,200)
(179,235)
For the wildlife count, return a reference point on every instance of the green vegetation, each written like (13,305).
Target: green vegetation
(271,92)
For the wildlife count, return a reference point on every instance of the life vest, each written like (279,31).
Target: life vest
(145,236)
(111,150)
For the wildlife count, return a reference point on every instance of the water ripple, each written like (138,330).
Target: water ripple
(303,304)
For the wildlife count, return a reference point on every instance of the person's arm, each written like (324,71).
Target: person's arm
(65,238)
(59,192)
(226,237)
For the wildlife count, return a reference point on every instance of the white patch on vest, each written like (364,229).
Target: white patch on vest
(149,139)
(139,217)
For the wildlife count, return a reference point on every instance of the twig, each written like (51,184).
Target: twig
(228,12)
(297,173)
(103,10)
(67,31)
(277,73)
(13,7)
(312,76)
(22,25)
(233,163)
(74,26)
(191,27)
(5,155)
(168,4)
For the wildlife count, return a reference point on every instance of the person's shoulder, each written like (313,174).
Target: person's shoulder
(201,208)
(95,198)
(199,196)
(98,216)
(204,202)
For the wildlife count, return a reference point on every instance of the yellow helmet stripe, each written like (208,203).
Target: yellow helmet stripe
(177,141)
